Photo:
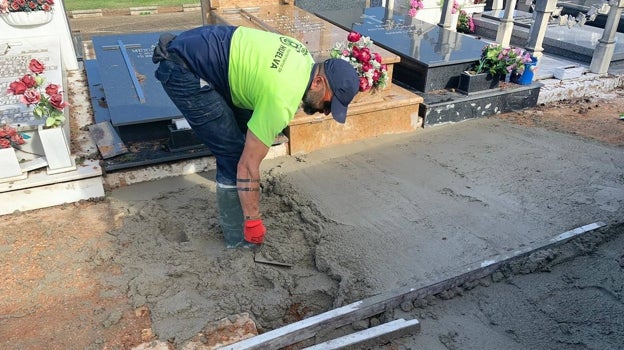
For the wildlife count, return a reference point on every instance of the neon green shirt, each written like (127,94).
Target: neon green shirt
(268,73)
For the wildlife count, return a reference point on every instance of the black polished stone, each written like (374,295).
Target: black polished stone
(446,106)
(431,57)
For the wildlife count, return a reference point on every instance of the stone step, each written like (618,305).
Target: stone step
(41,190)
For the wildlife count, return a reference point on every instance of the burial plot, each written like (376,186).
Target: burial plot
(573,7)
(126,70)
(125,93)
(432,57)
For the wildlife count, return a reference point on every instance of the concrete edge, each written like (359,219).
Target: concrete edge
(134,11)
(588,84)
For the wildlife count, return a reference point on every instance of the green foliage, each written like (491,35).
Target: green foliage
(465,24)
(499,60)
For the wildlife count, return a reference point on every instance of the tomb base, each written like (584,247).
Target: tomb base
(393,110)
(447,106)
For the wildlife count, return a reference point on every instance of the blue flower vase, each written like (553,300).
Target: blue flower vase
(527,76)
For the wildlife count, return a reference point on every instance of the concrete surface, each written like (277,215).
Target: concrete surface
(363,218)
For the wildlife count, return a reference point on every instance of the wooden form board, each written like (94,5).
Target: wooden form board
(381,333)
(309,327)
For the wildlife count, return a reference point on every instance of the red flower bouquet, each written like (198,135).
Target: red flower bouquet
(25,5)
(356,50)
(48,103)
(9,137)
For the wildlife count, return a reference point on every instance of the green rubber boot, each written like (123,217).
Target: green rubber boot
(231,217)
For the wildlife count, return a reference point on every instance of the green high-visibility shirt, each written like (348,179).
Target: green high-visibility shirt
(268,73)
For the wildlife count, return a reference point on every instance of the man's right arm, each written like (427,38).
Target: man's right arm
(248,182)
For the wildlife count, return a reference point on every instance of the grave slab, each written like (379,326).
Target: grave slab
(132,93)
(318,35)
(431,57)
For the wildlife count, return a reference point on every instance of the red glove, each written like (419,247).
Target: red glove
(254,231)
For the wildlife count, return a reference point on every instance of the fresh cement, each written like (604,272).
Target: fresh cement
(365,218)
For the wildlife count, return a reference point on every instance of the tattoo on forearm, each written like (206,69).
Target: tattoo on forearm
(248,180)
(248,189)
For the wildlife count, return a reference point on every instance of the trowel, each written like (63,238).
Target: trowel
(258,258)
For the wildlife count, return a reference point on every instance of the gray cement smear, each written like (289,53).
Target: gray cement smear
(397,211)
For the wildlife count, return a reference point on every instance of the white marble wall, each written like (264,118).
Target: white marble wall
(57,27)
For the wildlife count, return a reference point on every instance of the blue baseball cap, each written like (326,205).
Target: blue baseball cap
(344,83)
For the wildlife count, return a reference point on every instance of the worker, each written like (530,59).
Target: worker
(238,88)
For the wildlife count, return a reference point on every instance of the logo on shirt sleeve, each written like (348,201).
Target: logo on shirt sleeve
(294,44)
(282,52)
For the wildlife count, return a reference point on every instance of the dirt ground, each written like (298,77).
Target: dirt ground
(69,282)
(595,118)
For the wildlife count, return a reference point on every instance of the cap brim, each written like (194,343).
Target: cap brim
(338,110)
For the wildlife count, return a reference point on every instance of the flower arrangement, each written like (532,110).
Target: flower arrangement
(26,5)
(499,60)
(356,50)
(415,5)
(456,7)
(9,137)
(48,103)
(465,24)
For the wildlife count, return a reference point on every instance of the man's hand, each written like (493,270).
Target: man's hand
(254,231)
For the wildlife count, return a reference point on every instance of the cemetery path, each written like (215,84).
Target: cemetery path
(111,274)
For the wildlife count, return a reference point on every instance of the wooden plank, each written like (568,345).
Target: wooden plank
(381,333)
(307,328)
